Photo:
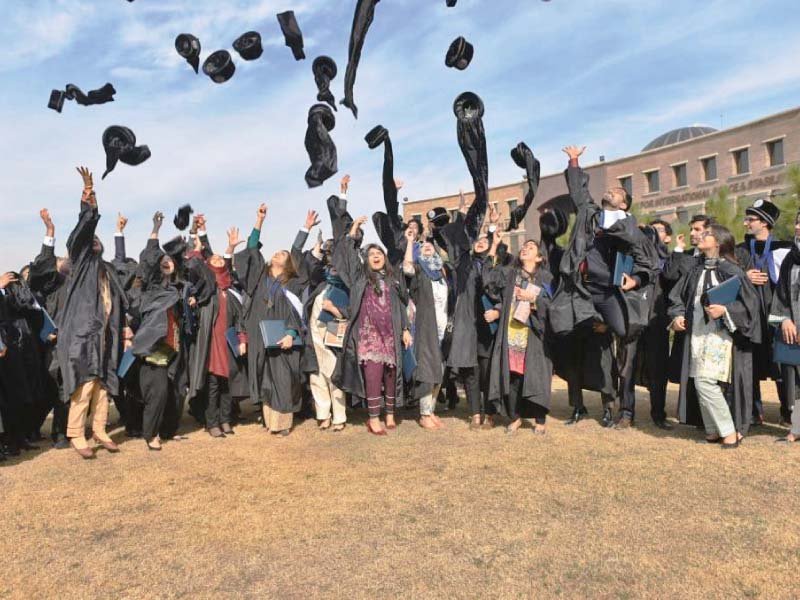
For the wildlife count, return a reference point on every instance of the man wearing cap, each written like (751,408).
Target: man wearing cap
(760,255)
(587,291)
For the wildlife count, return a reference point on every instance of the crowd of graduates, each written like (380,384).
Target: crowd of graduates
(353,326)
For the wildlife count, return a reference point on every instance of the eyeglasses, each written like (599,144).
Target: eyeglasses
(707,234)
(751,219)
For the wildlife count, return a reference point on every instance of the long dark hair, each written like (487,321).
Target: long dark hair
(543,255)
(726,241)
(374,277)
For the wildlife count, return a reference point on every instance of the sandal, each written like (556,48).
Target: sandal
(325,424)
(339,427)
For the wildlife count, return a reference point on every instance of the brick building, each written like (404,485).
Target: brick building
(671,177)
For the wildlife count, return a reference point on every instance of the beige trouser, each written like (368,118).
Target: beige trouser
(327,398)
(276,421)
(427,404)
(89,397)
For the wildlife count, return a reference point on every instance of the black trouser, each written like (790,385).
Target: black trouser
(481,404)
(609,303)
(574,367)
(518,407)
(470,379)
(656,358)
(218,409)
(626,363)
(157,394)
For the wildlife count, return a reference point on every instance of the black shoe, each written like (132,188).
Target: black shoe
(608,417)
(662,424)
(577,415)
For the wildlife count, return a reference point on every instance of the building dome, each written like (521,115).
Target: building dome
(678,135)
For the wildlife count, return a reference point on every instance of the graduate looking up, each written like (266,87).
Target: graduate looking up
(90,327)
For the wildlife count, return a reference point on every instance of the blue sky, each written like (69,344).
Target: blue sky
(611,74)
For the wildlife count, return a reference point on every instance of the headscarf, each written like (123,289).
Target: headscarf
(432,265)
(222,276)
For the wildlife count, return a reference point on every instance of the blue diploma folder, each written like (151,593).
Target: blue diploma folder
(489,305)
(725,293)
(48,327)
(273,331)
(233,340)
(783,353)
(622,265)
(340,300)
(409,363)
(125,363)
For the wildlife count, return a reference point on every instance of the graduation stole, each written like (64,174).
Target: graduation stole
(766,257)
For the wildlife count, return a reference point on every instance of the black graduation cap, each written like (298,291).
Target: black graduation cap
(181,219)
(460,53)
(319,145)
(376,136)
(98,96)
(56,102)
(362,19)
(553,223)
(451,3)
(248,45)
(219,66)
(120,144)
(188,46)
(175,248)
(468,108)
(292,34)
(324,69)
(764,210)
(438,216)
(523,157)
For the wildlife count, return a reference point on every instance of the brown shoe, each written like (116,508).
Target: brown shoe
(107,444)
(86,453)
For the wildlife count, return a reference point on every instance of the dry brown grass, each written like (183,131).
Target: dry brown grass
(581,512)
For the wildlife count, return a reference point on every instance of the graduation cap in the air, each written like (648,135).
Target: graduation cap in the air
(120,145)
(460,53)
(376,136)
(319,145)
(219,66)
(438,216)
(291,33)
(181,219)
(248,45)
(362,19)
(468,108)
(73,92)
(451,3)
(57,98)
(324,69)
(188,46)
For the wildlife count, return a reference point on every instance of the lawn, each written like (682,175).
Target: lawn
(580,512)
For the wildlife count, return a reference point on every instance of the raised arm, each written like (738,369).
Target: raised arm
(345,255)
(390,187)
(201,228)
(79,244)
(43,273)
(255,235)
(119,239)
(150,257)
(577,180)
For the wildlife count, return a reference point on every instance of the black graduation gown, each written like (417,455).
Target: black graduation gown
(763,367)
(427,348)
(89,344)
(745,315)
(20,369)
(348,376)
(274,374)
(572,303)
(537,382)
(786,304)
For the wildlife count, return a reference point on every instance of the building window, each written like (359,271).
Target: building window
(416,216)
(653,183)
(775,152)
(513,245)
(680,175)
(626,183)
(453,214)
(741,161)
(709,168)
(512,204)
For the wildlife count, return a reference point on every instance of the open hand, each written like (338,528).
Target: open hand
(789,331)
(573,152)
(312,220)
(122,221)
(233,239)
(356,227)
(88,182)
(6,279)
(494,214)
(344,184)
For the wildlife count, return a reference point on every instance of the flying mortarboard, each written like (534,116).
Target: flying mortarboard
(188,46)
(219,66)
(181,219)
(248,45)
(460,54)
(291,33)
(120,145)
(324,69)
